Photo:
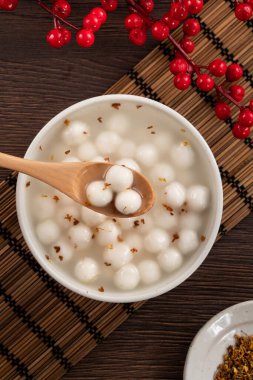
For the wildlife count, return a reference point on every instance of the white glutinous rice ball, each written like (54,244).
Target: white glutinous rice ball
(62,251)
(197,198)
(80,236)
(174,195)
(182,155)
(162,174)
(98,194)
(170,260)
(163,141)
(157,240)
(147,154)
(129,163)
(108,142)
(126,223)
(118,123)
(75,133)
(48,231)
(98,159)
(107,233)
(127,277)
(91,218)
(67,216)
(188,241)
(117,254)
(190,220)
(135,242)
(127,149)
(43,206)
(86,151)
(71,159)
(149,271)
(86,270)
(165,218)
(119,177)
(128,201)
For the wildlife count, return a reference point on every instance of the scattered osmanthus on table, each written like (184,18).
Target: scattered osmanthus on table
(138,22)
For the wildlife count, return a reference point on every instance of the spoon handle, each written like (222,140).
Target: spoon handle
(20,164)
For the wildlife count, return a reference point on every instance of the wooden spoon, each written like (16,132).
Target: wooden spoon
(71,178)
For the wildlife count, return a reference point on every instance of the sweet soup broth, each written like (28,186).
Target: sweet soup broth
(126,254)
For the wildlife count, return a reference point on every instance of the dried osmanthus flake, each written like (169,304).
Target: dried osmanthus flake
(116,106)
(175,237)
(238,361)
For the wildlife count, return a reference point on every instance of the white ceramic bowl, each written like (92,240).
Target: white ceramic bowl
(214,216)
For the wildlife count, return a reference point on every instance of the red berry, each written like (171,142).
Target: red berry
(195,7)
(148,5)
(218,67)
(179,55)
(133,21)
(85,38)
(251,105)
(240,132)
(234,72)
(8,5)
(250,2)
(243,11)
(109,5)
(160,31)
(205,82)
(91,22)
(187,44)
(182,81)
(100,13)
(62,8)
(237,92)
(172,24)
(66,35)
(191,27)
(178,65)
(55,38)
(178,12)
(246,118)
(187,3)
(138,36)
(222,110)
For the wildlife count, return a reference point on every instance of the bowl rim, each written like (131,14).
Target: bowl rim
(142,294)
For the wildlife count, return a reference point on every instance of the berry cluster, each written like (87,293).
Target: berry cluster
(184,71)
(139,22)
(243,10)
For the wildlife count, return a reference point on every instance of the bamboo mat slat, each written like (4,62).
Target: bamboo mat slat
(45,328)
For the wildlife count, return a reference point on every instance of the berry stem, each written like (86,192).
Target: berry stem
(221,90)
(47,9)
(183,53)
(133,6)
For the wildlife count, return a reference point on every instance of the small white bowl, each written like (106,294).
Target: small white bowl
(211,342)
(214,216)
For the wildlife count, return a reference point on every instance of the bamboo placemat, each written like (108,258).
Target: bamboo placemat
(45,328)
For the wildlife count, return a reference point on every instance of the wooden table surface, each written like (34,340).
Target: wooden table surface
(36,82)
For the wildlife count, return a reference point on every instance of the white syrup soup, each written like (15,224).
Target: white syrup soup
(108,254)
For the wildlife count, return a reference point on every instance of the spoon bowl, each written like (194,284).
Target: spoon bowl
(72,178)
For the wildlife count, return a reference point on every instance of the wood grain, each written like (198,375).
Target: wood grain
(37,82)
